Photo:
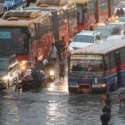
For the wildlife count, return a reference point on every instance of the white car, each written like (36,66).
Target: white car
(114,37)
(9,71)
(118,27)
(85,38)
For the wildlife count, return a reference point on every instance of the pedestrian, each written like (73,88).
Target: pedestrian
(60,47)
(106,100)
(121,12)
(107,109)
(104,118)
(53,54)
(120,101)
(117,12)
(61,69)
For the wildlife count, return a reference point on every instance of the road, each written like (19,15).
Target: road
(53,105)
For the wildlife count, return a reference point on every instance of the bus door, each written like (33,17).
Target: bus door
(55,20)
(82,16)
(117,57)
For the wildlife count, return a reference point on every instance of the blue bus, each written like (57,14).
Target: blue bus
(98,68)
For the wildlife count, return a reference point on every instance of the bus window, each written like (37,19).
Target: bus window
(3,65)
(122,51)
(14,39)
(107,62)
(89,67)
(112,60)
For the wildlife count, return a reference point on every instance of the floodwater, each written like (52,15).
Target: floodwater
(53,105)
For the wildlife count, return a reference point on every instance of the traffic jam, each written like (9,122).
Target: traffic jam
(80,42)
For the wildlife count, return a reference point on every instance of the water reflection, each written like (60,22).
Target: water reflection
(9,110)
(59,86)
(54,108)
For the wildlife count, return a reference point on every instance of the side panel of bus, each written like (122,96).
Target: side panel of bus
(90,13)
(115,69)
(72,17)
(43,40)
(55,26)
(64,25)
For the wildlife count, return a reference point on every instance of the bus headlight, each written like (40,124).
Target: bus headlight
(103,85)
(23,65)
(99,85)
(52,73)
(5,78)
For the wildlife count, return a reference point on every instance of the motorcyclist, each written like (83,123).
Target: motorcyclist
(38,76)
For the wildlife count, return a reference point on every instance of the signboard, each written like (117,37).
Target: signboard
(5,35)
(86,57)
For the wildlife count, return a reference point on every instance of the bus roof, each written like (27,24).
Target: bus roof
(45,9)
(55,2)
(21,18)
(102,48)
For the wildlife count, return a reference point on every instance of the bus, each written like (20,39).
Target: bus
(26,34)
(98,68)
(64,18)
(90,12)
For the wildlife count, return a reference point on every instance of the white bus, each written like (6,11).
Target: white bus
(98,68)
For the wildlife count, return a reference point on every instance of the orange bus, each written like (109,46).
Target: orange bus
(90,12)
(64,18)
(26,34)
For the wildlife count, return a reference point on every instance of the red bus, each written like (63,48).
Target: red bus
(26,34)
(64,18)
(90,12)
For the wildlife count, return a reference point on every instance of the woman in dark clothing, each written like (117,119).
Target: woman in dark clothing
(104,118)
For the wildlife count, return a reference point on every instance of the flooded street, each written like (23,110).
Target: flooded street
(54,106)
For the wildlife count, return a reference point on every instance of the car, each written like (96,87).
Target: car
(121,19)
(13,4)
(113,28)
(85,38)
(9,71)
(105,30)
(114,37)
(118,27)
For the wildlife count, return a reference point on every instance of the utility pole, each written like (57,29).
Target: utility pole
(109,8)
(97,11)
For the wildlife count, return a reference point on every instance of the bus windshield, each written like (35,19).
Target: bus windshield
(14,40)
(84,39)
(3,65)
(53,2)
(87,65)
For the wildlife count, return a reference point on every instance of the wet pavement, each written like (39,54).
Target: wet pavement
(53,105)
